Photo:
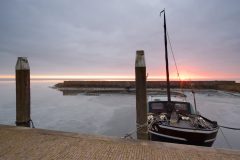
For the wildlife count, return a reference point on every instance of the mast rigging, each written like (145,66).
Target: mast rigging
(166,57)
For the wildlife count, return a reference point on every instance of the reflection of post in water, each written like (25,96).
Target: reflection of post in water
(22,92)
(141,96)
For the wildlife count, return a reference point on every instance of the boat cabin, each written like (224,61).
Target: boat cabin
(161,105)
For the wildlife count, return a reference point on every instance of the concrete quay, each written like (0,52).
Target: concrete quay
(26,143)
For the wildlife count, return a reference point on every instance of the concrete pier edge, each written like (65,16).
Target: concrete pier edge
(22,143)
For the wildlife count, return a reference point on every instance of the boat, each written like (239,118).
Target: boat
(172,119)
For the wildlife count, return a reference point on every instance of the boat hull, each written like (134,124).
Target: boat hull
(184,136)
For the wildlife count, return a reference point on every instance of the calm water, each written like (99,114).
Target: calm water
(112,115)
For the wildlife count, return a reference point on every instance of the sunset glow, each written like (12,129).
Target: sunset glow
(107,77)
(83,77)
(103,46)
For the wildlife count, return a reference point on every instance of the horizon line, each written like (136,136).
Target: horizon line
(116,77)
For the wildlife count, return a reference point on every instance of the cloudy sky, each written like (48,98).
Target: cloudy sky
(100,38)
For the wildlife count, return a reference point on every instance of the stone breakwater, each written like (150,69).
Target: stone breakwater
(218,85)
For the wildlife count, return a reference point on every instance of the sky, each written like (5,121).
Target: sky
(92,38)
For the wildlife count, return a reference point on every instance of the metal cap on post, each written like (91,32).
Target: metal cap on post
(141,95)
(22,92)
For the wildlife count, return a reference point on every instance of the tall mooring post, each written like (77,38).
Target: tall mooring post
(141,95)
(22,92)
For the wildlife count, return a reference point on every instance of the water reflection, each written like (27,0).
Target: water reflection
(111,114)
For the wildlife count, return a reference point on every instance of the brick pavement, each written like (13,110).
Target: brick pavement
(25,143)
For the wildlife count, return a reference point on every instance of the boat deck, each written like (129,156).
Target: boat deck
(26,143)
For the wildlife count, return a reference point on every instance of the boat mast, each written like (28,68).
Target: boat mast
(166,56)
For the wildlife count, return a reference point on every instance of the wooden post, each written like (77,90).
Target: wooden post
(22,92)
(141,95)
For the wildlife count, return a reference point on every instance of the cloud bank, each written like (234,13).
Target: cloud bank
(101,37)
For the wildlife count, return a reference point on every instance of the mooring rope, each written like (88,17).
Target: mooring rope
(225,139)
(32,124)
(232,128)
(139,126)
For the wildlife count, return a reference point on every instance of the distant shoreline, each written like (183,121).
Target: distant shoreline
(230,86)
(117,79)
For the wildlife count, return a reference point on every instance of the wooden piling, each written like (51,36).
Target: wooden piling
(22,92)
(141,95)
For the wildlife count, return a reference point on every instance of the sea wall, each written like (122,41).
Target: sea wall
(228,85)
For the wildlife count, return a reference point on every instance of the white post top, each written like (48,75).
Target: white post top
(22,64)
(140,60)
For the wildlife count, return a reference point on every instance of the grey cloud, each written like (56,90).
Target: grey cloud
(101,37)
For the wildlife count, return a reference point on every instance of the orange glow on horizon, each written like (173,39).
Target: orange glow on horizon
(183,77)
(7,76)
(71,77)
(82,77)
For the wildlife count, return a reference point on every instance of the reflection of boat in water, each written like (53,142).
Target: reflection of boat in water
(172,119)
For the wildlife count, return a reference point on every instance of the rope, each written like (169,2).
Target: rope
(170,44)
(139,126)
(31,123)
(232,128)
(175,63)
(226,139)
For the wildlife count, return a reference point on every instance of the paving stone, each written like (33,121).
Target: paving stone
(25,143)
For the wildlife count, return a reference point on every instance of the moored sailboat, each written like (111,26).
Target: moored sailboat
(172,119)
